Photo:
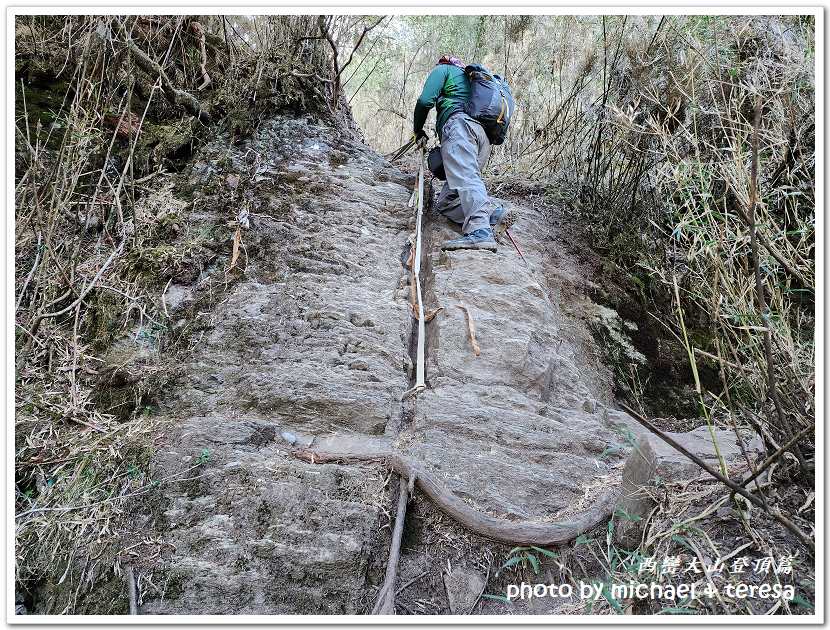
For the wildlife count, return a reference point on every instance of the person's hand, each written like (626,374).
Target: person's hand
(421,139)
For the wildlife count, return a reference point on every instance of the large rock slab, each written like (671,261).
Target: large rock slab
(310,342)
(712,446)
(260,533)
(654,462)
(511,431)
(311,348)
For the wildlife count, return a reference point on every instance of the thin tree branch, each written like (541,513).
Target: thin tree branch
(357,45)
(39,318)
(387,595)
(338,70)
(774,251)
(31,273)
(777,455)
(774,512)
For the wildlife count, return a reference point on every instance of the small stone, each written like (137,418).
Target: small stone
(289,438)
(463,588)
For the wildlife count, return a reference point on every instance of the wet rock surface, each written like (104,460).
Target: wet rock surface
(310,348)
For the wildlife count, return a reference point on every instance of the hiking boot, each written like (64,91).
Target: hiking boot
(480,239)
(502,219)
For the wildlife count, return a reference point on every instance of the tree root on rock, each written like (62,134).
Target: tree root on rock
(170,91)
(199,32)
(510,532)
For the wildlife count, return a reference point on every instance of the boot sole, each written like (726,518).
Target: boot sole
(505,222)
(491,246)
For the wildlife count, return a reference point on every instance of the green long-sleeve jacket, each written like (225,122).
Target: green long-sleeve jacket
(447,87)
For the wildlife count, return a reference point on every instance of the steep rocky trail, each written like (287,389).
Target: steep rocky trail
(310,348)
(311,342)
(515,431)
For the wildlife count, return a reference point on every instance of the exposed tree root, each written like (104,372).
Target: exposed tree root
(511,532)
(171,92)
(199,32)
(476,349)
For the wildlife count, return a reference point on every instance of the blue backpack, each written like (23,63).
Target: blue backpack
(490,102)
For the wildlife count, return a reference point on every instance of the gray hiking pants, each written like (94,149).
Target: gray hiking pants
(464,149)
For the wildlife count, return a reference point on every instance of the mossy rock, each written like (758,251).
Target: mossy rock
(105,595)
(117,394)
(124,390)
(103,318)
(701,338)
(149,259)
(171,142)
(137,454)
(42,105)
(183,262)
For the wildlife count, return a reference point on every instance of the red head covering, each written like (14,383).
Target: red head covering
(451,61)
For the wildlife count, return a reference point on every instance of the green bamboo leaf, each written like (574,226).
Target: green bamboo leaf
(534,562)
(550,554)
(512,561)
(610,450)
(611,600)
(677,538)
(798,600)
(622,512)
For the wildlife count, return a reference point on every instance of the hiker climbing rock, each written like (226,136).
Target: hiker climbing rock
(453,88)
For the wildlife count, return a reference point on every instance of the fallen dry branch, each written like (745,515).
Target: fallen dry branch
(779,453)
(386,598)
(774,512)
(510,532)
(131,587)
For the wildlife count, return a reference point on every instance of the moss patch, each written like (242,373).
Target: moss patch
(103,318)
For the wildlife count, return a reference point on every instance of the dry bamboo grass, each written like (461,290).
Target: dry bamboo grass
(78,463)
(655,147)
(721,205)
